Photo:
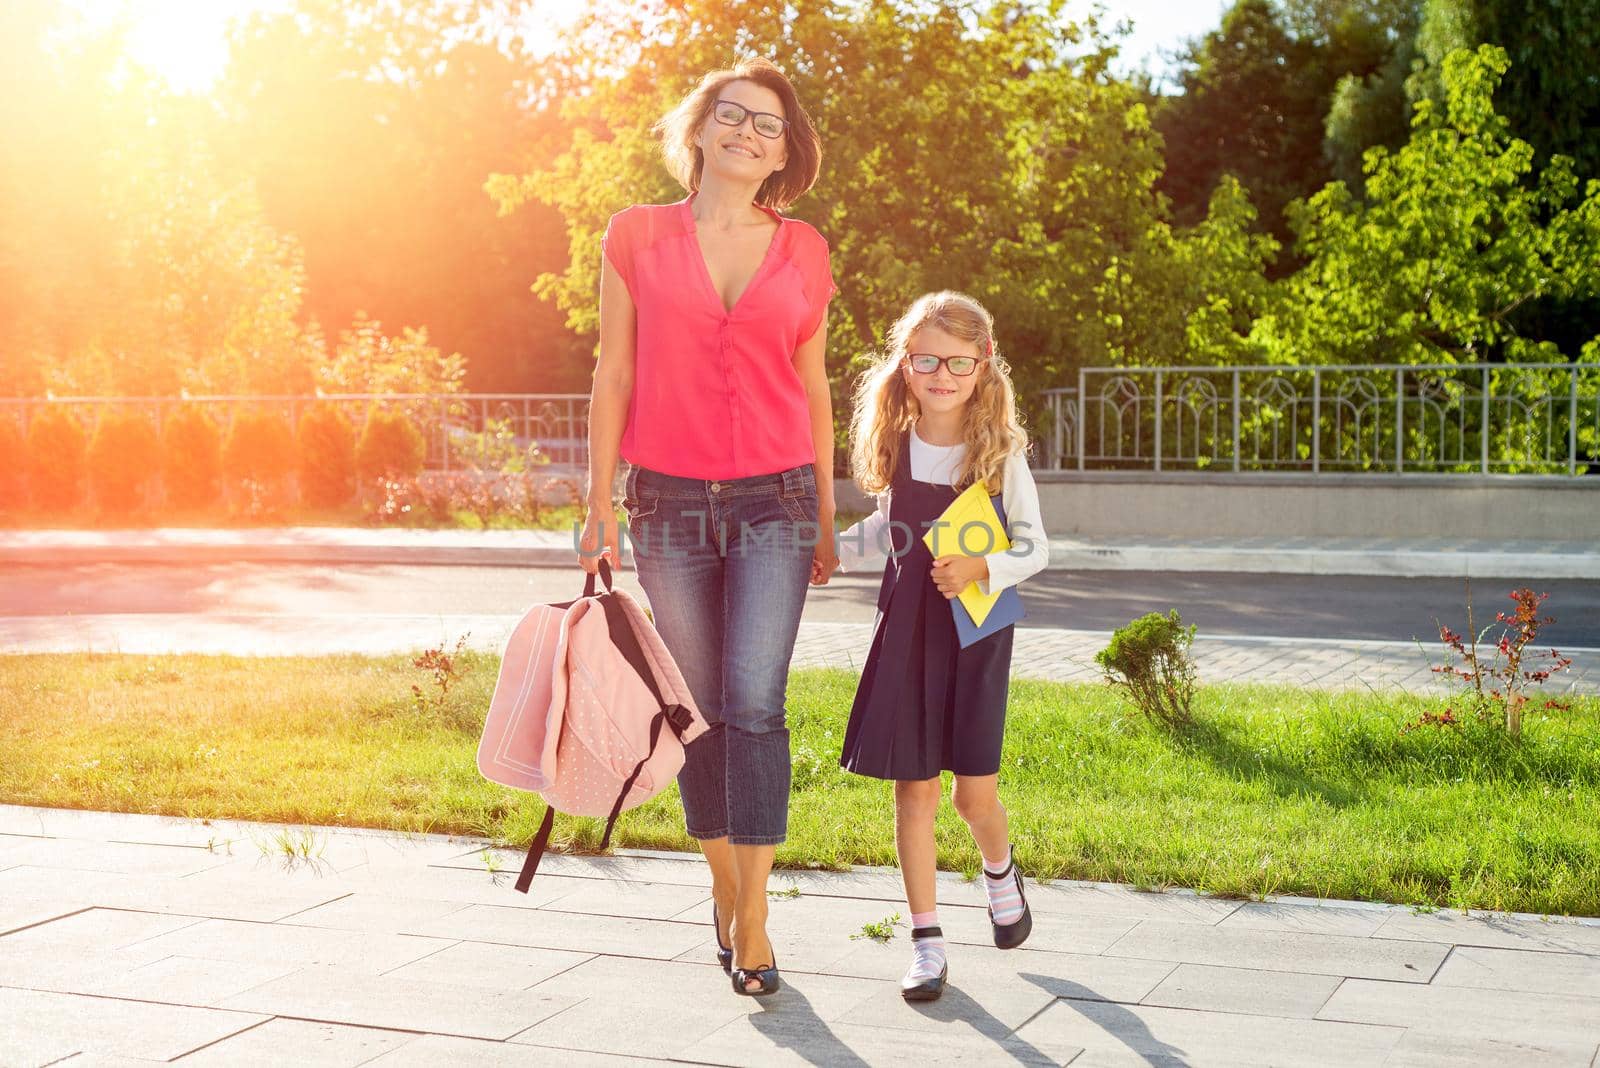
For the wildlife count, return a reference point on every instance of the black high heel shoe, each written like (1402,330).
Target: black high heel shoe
(724,953)
(767,977)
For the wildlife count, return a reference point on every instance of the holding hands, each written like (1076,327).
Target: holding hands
(825,557)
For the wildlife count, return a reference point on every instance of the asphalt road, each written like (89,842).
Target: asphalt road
(1295,606)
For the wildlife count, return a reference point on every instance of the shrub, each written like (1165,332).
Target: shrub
(391,447)
(1494,688)
(260,448)
(56,447)
(191,458)
(258,456)
(13,465)
(124,456)
(327,457)
(394,501)
(1149,660)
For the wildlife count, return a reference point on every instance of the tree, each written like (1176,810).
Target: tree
(1190,295)
(1460,229)
(1257,94)
(369,128)
(130,262)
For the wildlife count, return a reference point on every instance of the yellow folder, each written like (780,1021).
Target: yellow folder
(970,527)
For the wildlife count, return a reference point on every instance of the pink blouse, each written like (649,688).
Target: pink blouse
(715,392)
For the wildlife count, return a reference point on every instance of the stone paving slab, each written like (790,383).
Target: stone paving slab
(285,943)
(779,1040)
(311,1045)
(1433,1049)
(1564,1019)
(1184,1036)
(347,996)
(1504,932)
(1244,990)
(1283,951)
(380,968)
(35,1023)
(431,1051)
(1510,969)
(614,1018)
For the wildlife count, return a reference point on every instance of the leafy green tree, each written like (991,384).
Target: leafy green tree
(1189,295)
(1285,95)
(1459,231)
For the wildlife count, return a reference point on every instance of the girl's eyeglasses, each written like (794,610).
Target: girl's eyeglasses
(926,364)
(766,124)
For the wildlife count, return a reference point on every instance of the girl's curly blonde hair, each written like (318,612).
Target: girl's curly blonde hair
(885,410)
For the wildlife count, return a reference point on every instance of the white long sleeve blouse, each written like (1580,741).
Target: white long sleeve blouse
(868,543)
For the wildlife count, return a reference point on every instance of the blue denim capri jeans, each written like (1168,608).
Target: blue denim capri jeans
(726,566)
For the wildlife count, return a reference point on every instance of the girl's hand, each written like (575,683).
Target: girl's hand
(825,557)
(599,533)
(952,574)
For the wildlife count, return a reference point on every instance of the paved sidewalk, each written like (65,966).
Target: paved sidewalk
(1452,557)
(1040,653)
(131,940)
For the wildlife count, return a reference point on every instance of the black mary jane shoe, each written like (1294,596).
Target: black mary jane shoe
(1012,935)
(767,977)
(724,953)
(927,989)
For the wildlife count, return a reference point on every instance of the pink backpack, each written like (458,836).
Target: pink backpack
(584,690)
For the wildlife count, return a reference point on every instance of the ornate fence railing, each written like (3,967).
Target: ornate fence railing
(461,430)
(1372,418)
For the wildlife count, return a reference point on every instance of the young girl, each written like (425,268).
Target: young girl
(934,414)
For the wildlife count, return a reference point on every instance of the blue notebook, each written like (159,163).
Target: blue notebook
(1006,611)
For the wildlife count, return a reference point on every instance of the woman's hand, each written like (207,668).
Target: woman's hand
(600,536)
(952,574)
(825,557)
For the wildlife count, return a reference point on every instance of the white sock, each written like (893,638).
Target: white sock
(1000,883)
(927,954)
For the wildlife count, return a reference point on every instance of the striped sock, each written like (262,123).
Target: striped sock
(1000,883)
(927,947)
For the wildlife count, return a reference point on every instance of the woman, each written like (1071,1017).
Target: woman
(711,384)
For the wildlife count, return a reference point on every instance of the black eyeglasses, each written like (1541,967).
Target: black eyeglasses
(766,124)
(926,363)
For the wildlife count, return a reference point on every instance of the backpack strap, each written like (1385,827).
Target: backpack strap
(616,809)
(624,638)
(530,865)
(588,585)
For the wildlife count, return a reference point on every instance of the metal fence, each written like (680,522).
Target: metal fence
(1377,418)
(461,430)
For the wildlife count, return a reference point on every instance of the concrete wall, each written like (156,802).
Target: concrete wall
(1098,504)
(1119,505)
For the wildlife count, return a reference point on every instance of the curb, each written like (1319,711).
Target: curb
(543,548)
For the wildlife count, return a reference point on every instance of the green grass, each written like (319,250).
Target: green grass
(1276,790)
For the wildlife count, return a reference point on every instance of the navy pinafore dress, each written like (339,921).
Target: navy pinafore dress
(925,704)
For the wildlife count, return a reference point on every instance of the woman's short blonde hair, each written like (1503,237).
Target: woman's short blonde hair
(804,149)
